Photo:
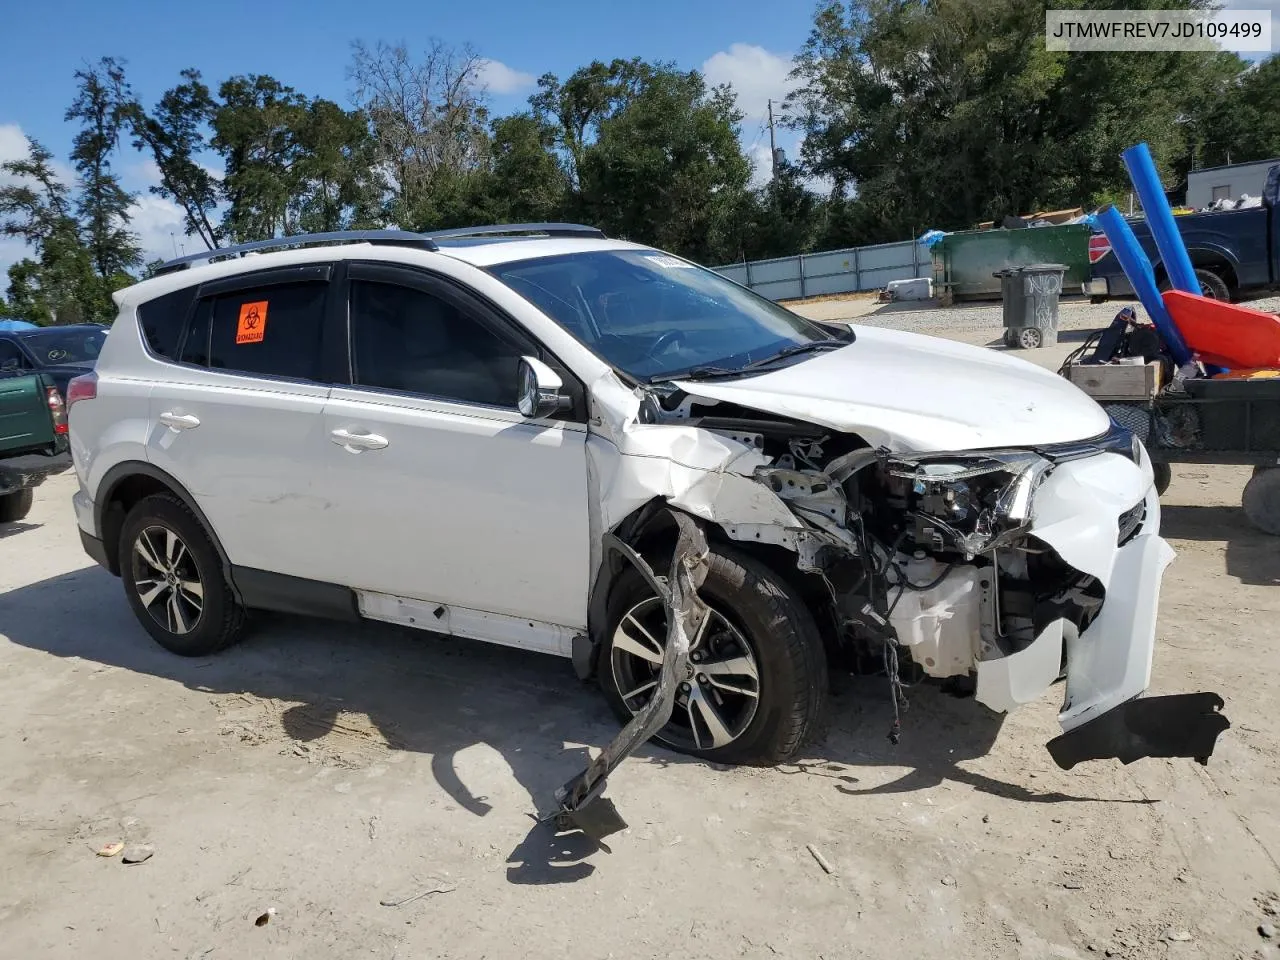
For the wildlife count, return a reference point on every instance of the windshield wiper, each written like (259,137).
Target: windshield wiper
(797,349)
(697,373)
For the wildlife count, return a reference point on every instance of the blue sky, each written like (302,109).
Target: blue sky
(307,45)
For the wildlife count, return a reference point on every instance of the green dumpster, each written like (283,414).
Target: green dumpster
(965,263)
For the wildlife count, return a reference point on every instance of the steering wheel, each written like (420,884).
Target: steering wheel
(665,340)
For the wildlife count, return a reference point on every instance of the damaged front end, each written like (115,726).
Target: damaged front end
(1007,569)
(1000,571)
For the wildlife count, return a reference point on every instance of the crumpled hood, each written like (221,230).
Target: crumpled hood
(917,393)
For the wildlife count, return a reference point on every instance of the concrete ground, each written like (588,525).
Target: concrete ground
(318,772)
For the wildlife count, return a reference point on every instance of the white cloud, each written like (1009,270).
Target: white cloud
(756,75)
(157,222)
(499,79)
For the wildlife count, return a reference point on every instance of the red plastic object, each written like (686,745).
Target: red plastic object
(1225,334)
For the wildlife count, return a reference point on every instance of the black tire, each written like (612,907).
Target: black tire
(1163,477)
(219,621)
(1211,285)
(15,506)
(1261,500)
(784,642)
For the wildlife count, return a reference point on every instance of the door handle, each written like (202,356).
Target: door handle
(355,442)
(179,421)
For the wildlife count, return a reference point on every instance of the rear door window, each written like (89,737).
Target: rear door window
(272,331)
(11,357)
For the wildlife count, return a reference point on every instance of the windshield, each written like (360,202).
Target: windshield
(53,347)
(655,317)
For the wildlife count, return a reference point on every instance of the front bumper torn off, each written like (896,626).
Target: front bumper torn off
(1108,665)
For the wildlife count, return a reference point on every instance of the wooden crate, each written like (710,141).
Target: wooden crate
(1117,381)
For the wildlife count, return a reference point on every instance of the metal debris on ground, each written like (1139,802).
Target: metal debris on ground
(580,803)
(400,902)
(822,861)
(138,853)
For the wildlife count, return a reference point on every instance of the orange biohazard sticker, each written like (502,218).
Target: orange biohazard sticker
(253,322)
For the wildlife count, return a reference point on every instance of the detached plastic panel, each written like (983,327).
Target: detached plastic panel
(1225,334)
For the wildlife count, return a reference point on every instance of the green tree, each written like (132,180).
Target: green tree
(649,152)
(429,120)
(782,218)
(526,184)
(174,135)
(336,180)
(103,205)
(944,113)
(293,164)
(57,283)
(1242,123)
(256,130)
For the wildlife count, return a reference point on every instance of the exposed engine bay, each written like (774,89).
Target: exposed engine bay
(927,554)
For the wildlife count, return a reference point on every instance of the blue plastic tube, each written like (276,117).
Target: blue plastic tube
(1173,252)
(1143,280)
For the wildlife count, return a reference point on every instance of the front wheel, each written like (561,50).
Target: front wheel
(757,675)
(174,581)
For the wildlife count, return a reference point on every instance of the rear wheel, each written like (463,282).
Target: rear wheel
(1261,500)
(1213,286)
(15,506)
(174,581)
(757,676)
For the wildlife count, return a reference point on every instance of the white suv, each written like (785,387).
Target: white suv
(495,433)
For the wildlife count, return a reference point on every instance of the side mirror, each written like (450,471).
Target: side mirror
(540,390)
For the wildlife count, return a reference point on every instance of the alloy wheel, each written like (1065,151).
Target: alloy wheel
(167,580)
(716,700)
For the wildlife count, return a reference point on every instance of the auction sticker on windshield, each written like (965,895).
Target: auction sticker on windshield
(671,263)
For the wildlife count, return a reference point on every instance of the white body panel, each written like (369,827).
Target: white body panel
(250,463)
(438,617)
(471,506)
(917,393)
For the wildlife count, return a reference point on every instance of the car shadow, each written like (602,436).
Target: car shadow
(1253,557)
(17,527)
(316,681)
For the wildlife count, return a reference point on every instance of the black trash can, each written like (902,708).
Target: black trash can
(1030,294)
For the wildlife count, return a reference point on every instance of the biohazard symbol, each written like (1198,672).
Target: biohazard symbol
(253,322)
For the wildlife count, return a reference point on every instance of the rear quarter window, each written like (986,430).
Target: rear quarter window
(162,320)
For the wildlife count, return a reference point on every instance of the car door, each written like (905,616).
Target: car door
(237,421)
(440,489)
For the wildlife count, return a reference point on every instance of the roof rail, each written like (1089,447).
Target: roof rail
(399,238)
(501,229)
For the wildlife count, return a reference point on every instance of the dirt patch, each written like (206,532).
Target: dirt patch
(320,769)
